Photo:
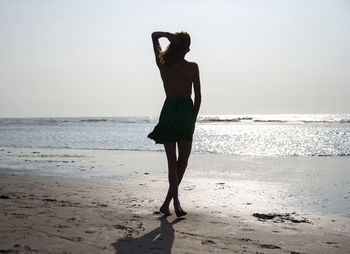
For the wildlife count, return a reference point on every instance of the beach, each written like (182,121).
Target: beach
(234,204)
(256,93)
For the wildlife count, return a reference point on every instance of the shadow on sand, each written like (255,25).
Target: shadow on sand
(159,240)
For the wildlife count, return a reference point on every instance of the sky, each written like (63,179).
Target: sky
(71,58)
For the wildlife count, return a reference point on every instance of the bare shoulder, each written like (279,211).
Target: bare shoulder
(192,65)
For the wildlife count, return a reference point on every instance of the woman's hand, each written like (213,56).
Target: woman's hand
(173,38)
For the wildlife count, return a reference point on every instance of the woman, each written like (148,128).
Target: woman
(178,115)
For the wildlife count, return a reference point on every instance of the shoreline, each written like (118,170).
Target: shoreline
(88,216)
(322,183)
(308,184)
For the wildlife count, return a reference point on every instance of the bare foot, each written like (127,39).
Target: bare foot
(165,210)
(179,212)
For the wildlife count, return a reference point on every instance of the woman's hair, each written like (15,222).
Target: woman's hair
(176,51)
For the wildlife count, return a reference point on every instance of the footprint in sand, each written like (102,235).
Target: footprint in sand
(208,242)
(75,238)
(90,231)
(61,226)
(248,229)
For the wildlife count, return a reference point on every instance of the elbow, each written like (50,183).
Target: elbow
(154,35)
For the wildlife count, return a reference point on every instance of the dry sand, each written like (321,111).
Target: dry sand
(58,215)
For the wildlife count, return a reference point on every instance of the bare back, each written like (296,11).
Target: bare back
(178,79)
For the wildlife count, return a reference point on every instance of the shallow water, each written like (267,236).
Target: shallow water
(269,184)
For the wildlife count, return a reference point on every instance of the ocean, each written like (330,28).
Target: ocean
(298,162)
(244,135)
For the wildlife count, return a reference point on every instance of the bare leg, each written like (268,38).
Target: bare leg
(184,147)
(170,150)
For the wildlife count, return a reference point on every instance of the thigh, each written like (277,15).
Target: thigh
(184,147)
(170,150)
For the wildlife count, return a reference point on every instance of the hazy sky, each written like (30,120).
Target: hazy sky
(95,58)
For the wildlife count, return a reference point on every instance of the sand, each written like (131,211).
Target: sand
(97,201)
(62,215)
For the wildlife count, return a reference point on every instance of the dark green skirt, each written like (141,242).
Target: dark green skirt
(176,122)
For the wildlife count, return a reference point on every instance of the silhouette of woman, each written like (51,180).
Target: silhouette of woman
(178,116)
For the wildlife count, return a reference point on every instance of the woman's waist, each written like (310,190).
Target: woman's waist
(178,92)
(179,97)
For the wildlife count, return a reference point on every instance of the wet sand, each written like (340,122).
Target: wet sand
(61,215)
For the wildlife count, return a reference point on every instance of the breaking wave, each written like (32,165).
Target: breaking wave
(262,118)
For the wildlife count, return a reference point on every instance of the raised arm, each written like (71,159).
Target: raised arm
(156,46)
(197,91)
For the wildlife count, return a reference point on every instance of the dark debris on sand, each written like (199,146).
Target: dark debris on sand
(269,246)
(276,217)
